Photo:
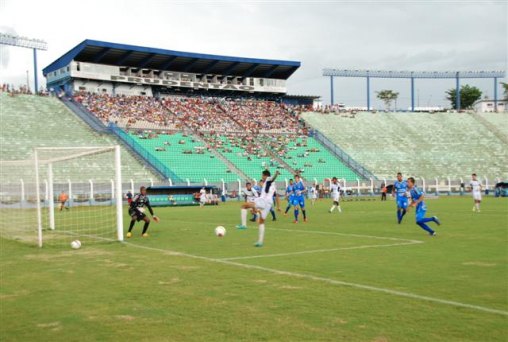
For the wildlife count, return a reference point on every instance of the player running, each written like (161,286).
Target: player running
(298,198)
(262,204)
(289,196)
(137,212)
(421,209)
(335,191)
(399,191)
(476,189)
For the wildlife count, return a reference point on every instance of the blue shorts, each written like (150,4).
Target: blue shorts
(298,200)
(402,202)
(420,213)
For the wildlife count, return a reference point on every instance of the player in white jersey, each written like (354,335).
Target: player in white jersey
(262,205)
(335,192)
(476,189)
(250,194)
(202,197)
(313,194)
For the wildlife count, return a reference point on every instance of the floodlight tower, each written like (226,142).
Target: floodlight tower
(29,43)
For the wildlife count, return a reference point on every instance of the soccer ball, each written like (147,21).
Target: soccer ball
(76,244)
(220,231)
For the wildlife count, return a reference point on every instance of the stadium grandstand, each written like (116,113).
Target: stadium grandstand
(200,118)
(194,117)
(40,121)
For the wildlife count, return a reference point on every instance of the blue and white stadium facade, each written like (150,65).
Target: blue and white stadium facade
(119,69)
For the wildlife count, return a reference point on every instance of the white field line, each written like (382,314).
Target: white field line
(345,234)
(327,280)
(318,251)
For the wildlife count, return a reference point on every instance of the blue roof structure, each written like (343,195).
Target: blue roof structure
(94,51)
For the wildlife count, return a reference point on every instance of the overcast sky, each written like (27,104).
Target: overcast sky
(383,35)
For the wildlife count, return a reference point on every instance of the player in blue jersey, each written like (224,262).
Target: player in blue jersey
(298,198)
(400,193)
(421,209)
(289,196)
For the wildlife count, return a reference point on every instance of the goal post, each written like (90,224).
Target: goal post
(62,194)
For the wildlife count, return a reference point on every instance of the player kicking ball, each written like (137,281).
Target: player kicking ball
(421,209)
(262,204)
(137,212)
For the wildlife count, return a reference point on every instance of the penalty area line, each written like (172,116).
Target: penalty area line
(315,251)
(326,280)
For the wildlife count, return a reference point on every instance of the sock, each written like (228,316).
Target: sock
(332,208)
(304,214)
(474,207)
(340,209)
(477,206)
(404,211)
(398,215)
(427,219)
(131,225)
(273,213)
(261,232)
(244,217)
(254,217)
(145,227)
(287,208)
(296,214)
(425,227)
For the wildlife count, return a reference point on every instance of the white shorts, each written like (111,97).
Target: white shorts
(263,206)
(202,199)
(336,198)
(477,195)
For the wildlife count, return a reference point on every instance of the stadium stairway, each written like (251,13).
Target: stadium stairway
(80,111)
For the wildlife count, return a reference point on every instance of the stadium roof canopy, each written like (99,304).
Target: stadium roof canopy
(94,51)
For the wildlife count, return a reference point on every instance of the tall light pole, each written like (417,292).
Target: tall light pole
(28,43)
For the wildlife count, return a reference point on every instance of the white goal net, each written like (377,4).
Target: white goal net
(62,194)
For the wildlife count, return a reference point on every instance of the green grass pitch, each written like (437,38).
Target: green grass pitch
(354,276)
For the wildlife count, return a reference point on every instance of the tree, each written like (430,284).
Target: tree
(468,96)
(387,96)
(505,90)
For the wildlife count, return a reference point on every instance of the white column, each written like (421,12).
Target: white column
(70,191)
(315,181)
(449,186)
(486,183)
(151,181)
(38,198)
(119,209)
(22,190)
(437,186)
(51,197)
(206,182)
(372,186)
(223,185)
(239,188)
(188,181)
(170,182)
(132,187)
(286,182)
(91,189)
(358,186)
(423,184)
